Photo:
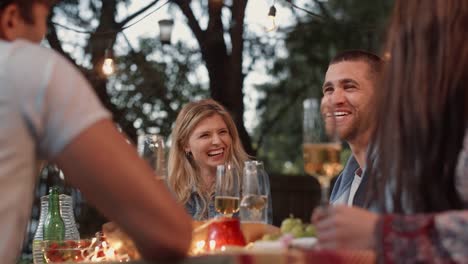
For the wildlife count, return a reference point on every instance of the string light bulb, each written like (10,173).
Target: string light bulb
(271,24)
(108,67)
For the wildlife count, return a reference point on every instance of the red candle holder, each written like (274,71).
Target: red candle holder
(224,232)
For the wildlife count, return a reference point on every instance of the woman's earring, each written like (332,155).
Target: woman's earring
(188,155)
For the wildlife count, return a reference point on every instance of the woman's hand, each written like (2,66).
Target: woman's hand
(344,227)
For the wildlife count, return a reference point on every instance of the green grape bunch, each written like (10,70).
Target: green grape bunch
(295,227)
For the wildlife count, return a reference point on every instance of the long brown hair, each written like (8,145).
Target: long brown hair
(184,173)
(422,108)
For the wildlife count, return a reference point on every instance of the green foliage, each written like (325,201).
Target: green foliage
(152,92)
(145,91)
(346,24)
(25,259)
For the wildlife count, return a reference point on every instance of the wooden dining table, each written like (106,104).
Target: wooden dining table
(261,255)
(294,256)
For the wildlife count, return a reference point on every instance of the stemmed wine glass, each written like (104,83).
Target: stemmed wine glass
(227,190)
(254,193)
(151,148)
(265,192)
(321,146)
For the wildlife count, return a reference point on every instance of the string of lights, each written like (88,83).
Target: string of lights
(272,15)
(310,13)
(110,31)
(108,65)
(272,18)
(360,26)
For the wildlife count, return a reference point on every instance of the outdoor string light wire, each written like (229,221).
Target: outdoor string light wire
(110,31)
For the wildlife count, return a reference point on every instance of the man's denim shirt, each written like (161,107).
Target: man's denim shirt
(344,181)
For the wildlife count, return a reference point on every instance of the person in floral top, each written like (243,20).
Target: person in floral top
(419,153)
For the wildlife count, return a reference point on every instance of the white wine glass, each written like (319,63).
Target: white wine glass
(151,148)
(227,190)
(254,194)
(265,192)
(321,146)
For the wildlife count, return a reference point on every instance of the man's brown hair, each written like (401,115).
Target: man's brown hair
(375,62)
(25,7)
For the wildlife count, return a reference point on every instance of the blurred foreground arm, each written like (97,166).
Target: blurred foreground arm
(425,238)
(122,186)
(345,227)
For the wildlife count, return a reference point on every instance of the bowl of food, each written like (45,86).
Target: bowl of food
(67,250)
(84,250)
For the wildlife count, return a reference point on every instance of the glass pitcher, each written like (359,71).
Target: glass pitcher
(66,211)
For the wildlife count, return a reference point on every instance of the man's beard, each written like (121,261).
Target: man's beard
(354,130)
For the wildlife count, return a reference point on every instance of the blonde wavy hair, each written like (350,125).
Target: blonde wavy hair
(184,174)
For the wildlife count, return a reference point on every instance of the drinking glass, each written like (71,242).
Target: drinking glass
(265,192)
(227,190)
(321,146)
(151,148)
(254,194)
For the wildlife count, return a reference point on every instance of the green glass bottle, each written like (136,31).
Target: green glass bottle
(54,227)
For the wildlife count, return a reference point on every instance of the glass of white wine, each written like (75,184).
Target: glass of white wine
(254,194)
(321,148)
(227,192)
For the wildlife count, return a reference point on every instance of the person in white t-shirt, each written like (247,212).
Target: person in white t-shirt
(49,111)
(350,82)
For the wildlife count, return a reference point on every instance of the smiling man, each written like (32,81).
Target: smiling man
(350,82)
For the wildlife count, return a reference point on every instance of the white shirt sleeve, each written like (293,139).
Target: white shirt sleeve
(56,100)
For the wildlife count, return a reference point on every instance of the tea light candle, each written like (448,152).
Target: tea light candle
(212,244)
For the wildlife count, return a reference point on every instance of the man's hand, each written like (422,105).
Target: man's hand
(345,227)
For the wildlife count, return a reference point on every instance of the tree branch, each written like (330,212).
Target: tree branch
(215,23)
(237,30)
(122,23)
(250,67)
(308,12)
(268,124)
(55,43)
(184,6)
(323,9)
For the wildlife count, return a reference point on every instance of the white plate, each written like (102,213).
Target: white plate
(268,246)
(304,242)
(278,245)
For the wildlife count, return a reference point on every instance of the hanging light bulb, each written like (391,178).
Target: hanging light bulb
(271,24)
(108,64)
(165,30)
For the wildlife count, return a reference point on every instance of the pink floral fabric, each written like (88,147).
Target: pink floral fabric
(429,238)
